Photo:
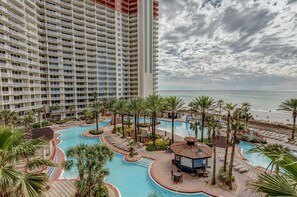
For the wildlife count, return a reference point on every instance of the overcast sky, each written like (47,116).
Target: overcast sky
(242,44)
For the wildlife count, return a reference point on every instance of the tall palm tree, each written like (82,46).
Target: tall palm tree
(134,106)
(113,109)
(121,106)
(8,118)
(204,104)
(195,126)
(214,125)
(88,116)
(174,105)
(220,104)
(89,160)
(15,181)
(155,104)
(290,105)
(236,127)
(97,108)
(28,119)
(39,112)
(275,184)
(229,107)
(191,106)
(246,106)
(53,108)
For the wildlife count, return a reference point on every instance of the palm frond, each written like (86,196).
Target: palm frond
(37,162)
(274,185)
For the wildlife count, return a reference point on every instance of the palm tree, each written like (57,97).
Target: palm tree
(53,108)
(275,184)
(155,104)
(246,106)
(174,105)
(214,125)
(236,127)
(135,105)
(8,117)
(229,107)
(105,105)
(15,181)
(113,108)
(191,105)
(195,126)
(290,105)
(39,111)
(97,108)
(131,145)
(273,152)
(121,106)
(88,115)
(45,109)
(28,119)
(204,104)
(89,160)
(220,104)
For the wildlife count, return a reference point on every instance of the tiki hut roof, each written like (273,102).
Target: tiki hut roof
(191,148)
(46,133)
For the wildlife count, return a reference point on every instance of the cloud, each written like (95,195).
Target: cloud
(229,44)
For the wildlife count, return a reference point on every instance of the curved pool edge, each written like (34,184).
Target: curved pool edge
(244,159)
(189,193)
(117,191)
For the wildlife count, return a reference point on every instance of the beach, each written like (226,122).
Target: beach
(264,104)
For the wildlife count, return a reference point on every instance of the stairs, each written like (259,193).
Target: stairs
(144,162)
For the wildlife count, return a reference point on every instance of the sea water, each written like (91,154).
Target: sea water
(264,103)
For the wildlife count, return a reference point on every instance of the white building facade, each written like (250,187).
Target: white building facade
(59,52)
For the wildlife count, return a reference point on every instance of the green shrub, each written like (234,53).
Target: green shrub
(95,132)
(208,143)
(223,176)
(160,144)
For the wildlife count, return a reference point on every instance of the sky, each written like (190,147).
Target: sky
(228,44)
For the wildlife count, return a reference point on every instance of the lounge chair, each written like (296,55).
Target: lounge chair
(237,168)
(243,170)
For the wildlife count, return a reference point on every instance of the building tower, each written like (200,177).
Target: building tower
(59,52)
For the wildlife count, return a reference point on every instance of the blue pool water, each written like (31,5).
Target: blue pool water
(180,128)
(131,179)
(255,159)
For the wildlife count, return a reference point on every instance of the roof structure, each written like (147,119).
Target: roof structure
(46,133)
(191,148)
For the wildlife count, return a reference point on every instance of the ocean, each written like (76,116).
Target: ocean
(264,103)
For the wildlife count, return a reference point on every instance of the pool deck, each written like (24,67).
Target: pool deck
(161,169)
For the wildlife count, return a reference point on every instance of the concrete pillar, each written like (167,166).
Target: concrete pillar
(51,147)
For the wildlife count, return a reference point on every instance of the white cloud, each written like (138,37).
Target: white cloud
(237,45)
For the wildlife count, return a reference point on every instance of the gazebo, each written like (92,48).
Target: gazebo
(47,134)
(191,155)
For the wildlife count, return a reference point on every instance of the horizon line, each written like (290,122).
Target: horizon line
(230,90)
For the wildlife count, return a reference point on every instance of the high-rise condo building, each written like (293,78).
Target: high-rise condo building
(59,52)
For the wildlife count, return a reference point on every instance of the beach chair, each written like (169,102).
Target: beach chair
(237,168)
(243,170)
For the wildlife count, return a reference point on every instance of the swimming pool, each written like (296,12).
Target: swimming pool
(131,179)
(180,128)
(255,159)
